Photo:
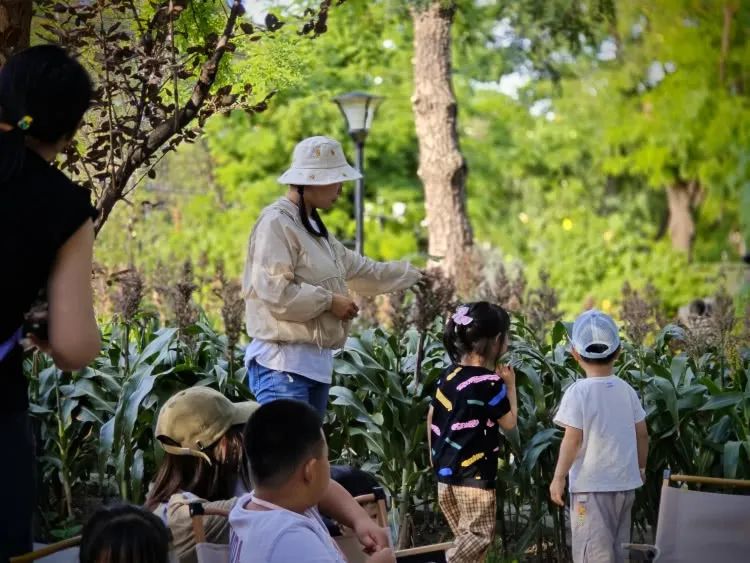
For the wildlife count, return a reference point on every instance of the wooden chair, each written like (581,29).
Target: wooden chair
(52,549)
(348,543)
(434,553)
(351,547)
(697,526)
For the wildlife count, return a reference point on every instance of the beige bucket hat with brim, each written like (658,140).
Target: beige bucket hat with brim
(197,418)
(318,161)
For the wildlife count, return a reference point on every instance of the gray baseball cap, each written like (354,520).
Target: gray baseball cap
(597,330)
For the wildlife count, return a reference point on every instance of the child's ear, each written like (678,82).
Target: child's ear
(576,355)
(504,342)
(308,470)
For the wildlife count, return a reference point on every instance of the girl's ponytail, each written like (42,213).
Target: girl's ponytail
(450,342)
(473,327)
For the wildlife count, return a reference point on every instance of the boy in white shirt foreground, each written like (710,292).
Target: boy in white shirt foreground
(605,445)
(279,521)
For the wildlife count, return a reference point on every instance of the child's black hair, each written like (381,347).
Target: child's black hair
(44,93)
(488,322)
(279,437)
(321,231)
(356,481)
(600,361)
(123,534)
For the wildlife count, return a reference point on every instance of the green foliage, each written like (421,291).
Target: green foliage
(566,176)
(97,424)
(568,189)
(381,406)
(209,194)
(675,118)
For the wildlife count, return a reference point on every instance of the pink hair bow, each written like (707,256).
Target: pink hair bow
(461,317)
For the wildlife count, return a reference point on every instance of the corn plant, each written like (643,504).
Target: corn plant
(70,407)
(96,425)
(384,407)
(543,370)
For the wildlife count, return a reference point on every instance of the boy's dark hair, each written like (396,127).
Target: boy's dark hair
(50,90)
(488,321)
(598,348)
(123,534)
(279,437)
(321,231)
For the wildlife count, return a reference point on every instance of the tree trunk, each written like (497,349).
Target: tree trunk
(726,35)
(442,167)
(682,199)
(15,27)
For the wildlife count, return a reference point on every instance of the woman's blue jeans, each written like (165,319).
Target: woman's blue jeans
(268,385)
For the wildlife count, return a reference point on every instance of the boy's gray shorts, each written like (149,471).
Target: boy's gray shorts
(600,523)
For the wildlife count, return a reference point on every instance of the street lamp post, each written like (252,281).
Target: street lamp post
(358,110)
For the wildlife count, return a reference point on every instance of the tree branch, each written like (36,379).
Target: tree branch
(158,136)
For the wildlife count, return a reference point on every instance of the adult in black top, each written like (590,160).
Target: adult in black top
(46,242)
(40,210)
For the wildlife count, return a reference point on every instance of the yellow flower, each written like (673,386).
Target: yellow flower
(608,235)
(523,217)
(606,305)
(567,224)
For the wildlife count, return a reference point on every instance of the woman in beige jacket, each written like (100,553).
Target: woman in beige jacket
(297,304)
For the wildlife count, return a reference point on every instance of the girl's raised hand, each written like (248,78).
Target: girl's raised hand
(508,374)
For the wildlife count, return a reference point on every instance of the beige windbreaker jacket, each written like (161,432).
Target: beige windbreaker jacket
(290,278)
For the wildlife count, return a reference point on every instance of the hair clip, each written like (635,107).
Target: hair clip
(461,317)
(25,122)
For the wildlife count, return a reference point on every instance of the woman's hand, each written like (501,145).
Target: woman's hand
(343,307)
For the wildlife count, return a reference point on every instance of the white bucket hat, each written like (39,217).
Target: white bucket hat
(318,161)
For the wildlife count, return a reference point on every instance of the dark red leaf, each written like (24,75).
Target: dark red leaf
(273,23)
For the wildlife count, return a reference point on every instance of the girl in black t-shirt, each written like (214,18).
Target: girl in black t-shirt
(471,400)
(46,244)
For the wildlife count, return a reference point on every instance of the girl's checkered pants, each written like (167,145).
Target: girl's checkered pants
(471,515)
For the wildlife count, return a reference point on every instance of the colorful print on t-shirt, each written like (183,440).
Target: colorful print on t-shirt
(467,403)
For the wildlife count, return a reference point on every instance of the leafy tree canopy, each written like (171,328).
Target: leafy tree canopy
(571,140)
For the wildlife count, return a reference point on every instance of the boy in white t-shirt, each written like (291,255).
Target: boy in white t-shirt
(279,521)
(605,445)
